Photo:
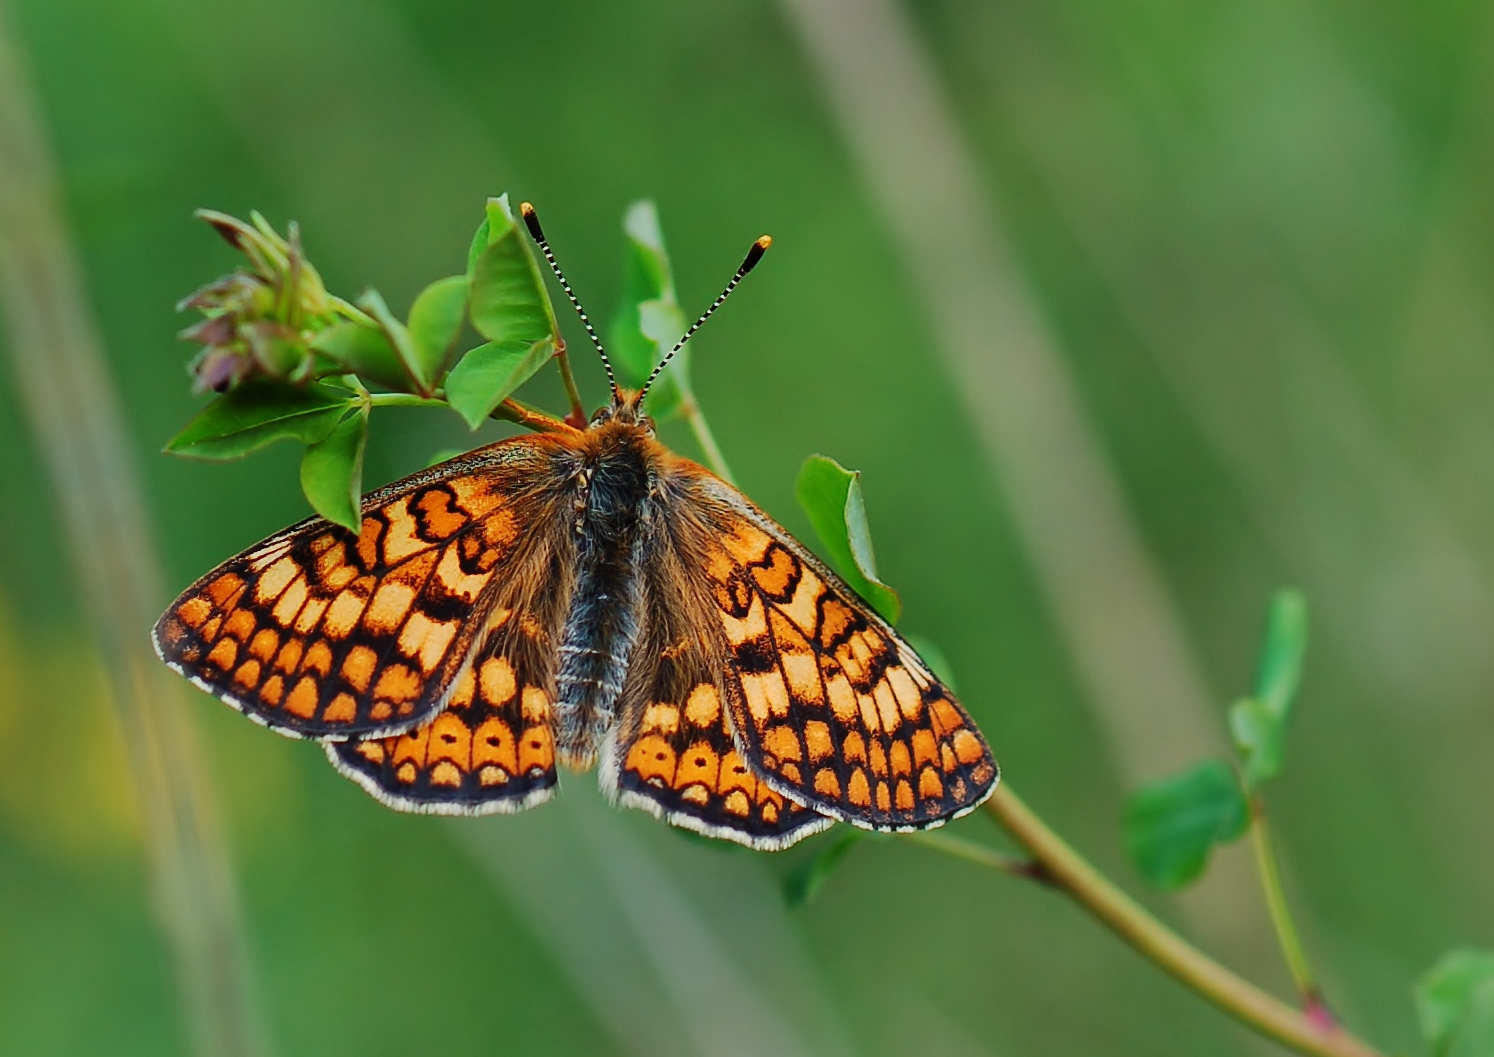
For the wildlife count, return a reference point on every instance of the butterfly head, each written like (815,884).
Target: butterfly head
(626,409)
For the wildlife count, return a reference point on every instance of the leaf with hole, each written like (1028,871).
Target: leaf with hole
(1172,825)
(491,373)
(257,413)
(831,496)
(332,471)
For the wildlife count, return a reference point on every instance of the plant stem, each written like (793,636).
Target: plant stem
(970,851)
(404,400)
(529,418)
(1281,915)
(577,417)
(703,435)
(1241,999)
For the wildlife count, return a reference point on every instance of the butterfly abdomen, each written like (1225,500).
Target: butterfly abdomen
(602,625)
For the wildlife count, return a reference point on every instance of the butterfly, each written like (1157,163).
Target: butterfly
(584,597)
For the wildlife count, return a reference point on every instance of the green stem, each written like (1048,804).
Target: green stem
(1067,870)
(1281,915)
(577,417)
(703,435)
(404,400)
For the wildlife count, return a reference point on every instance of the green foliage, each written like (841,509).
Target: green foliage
(804,881)
(1173,824)
(399,339)
(365,351)
(1258,723)
(649,321)
(1455,1001)
(831,496)
(490,373)
(509,303)
(436,321)
(257,413)
(332,471)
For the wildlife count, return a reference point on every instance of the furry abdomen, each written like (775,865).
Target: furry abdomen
(601,628)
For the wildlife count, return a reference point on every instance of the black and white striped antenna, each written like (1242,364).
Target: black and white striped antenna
(754,255)
(531,221)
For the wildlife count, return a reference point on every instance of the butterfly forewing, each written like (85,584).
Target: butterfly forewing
(827,702)
(319,633)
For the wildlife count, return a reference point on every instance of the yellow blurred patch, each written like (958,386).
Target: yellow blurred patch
(65,782)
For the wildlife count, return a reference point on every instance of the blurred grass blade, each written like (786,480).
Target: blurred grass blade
(252,415)
(66,392)
(804,881)
(1172,825)
(1455,1002)
(332,471)
(491,373)
(831,496)
(436,320)
(508,302)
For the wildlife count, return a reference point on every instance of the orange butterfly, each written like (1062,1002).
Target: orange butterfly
(588,597)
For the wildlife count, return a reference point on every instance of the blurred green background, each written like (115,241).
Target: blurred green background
(1260,238)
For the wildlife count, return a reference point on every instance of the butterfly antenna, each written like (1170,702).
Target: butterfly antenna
(754,255)
(531,221)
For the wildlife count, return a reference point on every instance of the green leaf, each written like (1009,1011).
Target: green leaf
(436,320)
(399,337)
(367,352)
(649,319)
(1172,825)
(508,301)
(1258,723)
(257,413)
(1455,1002)
(490,373)
(831,496)
(332,471)
(804,881)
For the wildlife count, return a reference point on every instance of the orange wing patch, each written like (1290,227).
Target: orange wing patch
(318,633)
(491,750)
(827,702)
(682,764)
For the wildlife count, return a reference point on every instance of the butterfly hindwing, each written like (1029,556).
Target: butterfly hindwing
(826,701)
(492,749)
(672,752)
(318,633)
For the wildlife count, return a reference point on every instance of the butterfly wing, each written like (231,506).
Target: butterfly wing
(672,752)
(318,633)
(826,702)
(492,749)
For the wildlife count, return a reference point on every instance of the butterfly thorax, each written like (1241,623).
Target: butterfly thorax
(614,477)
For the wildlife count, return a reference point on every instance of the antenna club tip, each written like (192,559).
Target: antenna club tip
(531,221)
(755,254)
